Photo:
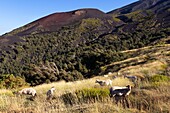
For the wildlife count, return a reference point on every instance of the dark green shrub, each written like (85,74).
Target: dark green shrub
(85,95)
(69,98)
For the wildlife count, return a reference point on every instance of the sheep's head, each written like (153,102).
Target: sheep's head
(53,88)
(129,86)
(15,92)
(20,92)
(97,80)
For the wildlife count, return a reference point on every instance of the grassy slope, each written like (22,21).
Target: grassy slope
(146,96)
(150,57)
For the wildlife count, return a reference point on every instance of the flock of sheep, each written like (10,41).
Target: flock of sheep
(119,93)
(33,93)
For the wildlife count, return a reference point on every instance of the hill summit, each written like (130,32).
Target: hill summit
(55,21)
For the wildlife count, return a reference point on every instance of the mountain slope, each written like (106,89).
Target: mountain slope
(74,45)
(156,6)
(159,8)
(54,21)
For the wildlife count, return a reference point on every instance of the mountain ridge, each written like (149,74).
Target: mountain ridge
(54,21)
(141,4)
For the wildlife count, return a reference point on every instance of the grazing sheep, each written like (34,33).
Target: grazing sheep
(114,77)
(113,88)
(108,82)
(50,93)
(132,78)
(104,82)
(101,82)
(109,73)
(28,91)
(106,76)
(120,93)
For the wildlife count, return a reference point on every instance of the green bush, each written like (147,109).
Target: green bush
(9,81)
(69,98)
(159,78)
(92,94)
(89,24)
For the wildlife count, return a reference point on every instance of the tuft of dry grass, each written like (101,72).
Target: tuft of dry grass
(6,92)
(121,81)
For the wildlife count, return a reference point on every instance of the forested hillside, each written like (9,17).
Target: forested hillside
(84,41)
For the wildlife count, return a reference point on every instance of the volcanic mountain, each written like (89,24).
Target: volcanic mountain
(74,45)
(55,21)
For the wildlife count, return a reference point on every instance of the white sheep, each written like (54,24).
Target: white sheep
(104,82)
(109,73)
(108,82)
(114,88)
(114,77)
(120,92)
(28,91)
(50,93)
(106,76)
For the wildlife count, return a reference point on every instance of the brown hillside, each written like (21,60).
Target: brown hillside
(55,21)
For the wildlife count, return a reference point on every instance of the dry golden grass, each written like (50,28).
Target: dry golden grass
(5,92)
(63,86)
(147,69)
(156,47)
(142,100)
(159,53)
(9,103)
